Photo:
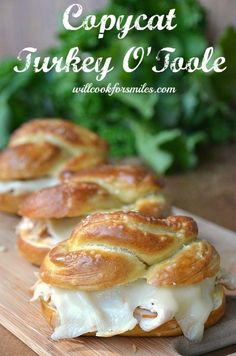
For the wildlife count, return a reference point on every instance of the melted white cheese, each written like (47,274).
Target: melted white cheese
(57,230)
(27,186)
(25,224)
(111,312)
(226,278)
(60,229)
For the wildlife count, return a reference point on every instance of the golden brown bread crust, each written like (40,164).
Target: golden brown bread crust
(83,161)
(128,182)
(104,188)
(98,189)
(89,269)
(33,253)
(48,146)
(171,328)
(156,206)
(67,200)
(150,239)
(66,131)
(9,202)
(99,247)
(195,262)
(28,160)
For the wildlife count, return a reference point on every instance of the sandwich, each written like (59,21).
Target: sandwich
(38,152)
(49,215)
(124,273)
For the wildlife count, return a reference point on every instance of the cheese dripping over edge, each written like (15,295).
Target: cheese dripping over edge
(111,312)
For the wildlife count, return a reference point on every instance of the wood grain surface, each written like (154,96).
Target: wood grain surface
(24,320)
(209,190)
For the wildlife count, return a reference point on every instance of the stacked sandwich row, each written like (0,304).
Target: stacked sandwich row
(112,261)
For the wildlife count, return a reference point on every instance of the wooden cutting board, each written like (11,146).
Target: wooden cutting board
(24,320)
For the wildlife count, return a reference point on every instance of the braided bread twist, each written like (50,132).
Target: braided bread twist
(104,188)
(46,147)
(111,249)
(97,189)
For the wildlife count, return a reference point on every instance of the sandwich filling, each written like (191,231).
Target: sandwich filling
(46,232)
(18,187)
(116,310)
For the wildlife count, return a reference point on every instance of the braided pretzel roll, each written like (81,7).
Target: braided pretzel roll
(130,274)
(50,214)
(38,151)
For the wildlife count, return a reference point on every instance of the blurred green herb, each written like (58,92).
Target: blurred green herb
(165,129)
